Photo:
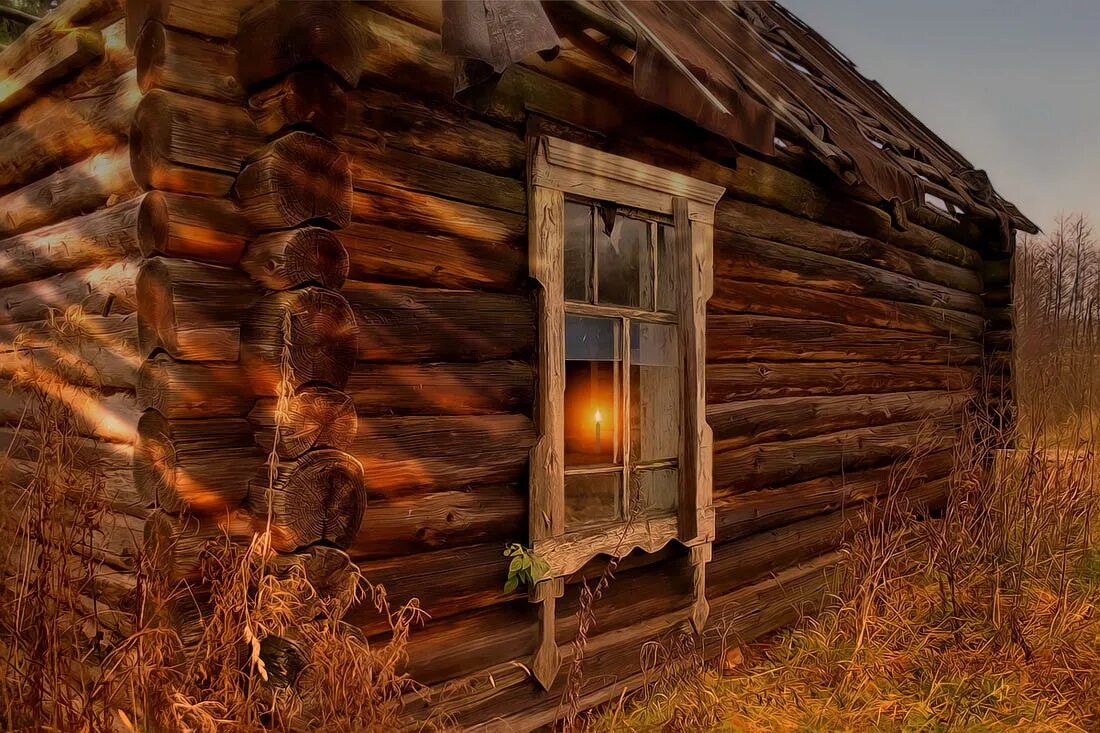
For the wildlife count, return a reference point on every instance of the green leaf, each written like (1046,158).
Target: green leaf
(512,584)
(515,566)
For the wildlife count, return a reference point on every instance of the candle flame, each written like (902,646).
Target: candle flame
(599,417)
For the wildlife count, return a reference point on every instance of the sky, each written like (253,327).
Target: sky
(1013,85)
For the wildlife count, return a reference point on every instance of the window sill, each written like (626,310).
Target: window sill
(569,553)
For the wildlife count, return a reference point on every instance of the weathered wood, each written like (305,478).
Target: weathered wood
(194,465)
(407,525)
(192,227)
(48,134)
(298,178)
(436,131)
(179,389)
(443,389)
(109,417)
(400,454)
(397,208)
(319,497)
(734,296)
(374,164)
(105,236)
(67,54)
(759,380)
(384,253)
(44,32)
(766,223)
(307,97)
(739,424)
(742,514)
(190,145)
(303,336)
(278,35)
(191,310)
(769,185)
(786,462)
(766,337)
(405,324)
(100,291)
(295,257)
(313,417)
(181,62)
(218,21)
(177,546)
(93,351)
(739,257)
(79,189)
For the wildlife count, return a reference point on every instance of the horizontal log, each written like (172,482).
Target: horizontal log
(179,389)
(738,257)
(742,514)
(298,337)
(735,296)
(397,208)
(193,227)
(443,389)
(765,337)
(52,134)
(382,253)
(400,454)
(296,257)
(296,179)
(44,32)
(100,472)
(766,223)
(109,417)
(739,424)
(220,21)
(786,462)
(103,237)
(311,417)
(305,98)
(92,351)
(405,324)
(99,291)
(181,62)
(406,525)
(374,164)
(440,132)
(276,37)
(178,546)
(318,498)
(194,465)
(192,310)
(67,54)
(762,183)
(79,189)
(173,148)
(760,380)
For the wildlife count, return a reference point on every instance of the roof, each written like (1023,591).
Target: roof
(757,75)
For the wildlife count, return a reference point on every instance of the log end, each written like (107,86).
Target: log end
(289,259)
(155,460)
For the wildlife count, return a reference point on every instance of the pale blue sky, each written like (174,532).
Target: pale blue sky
(1014,86)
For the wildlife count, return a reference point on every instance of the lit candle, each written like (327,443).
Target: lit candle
(598,419)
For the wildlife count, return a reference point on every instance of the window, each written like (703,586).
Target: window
(622,254)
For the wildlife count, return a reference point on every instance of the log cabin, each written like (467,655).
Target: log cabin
(665,285)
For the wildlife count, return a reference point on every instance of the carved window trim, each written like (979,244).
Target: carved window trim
(559,168)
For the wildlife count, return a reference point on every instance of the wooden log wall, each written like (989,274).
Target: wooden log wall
(839,348)
(70,225)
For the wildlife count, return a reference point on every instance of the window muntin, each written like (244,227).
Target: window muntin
(622,366)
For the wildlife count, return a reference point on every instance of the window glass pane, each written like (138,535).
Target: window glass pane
(593,390)
(655,389)
(592,499)
(578,252)
(624,264)
(667,272)
(654,492)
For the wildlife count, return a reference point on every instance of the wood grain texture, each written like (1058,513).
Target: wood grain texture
(180,62)
(295,257)
(312,417)
(192,227)
(179,389)
(730,382)
(65,55)
(108,290)
(443,388)
(309,98)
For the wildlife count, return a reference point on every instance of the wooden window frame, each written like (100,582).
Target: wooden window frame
(558,169)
